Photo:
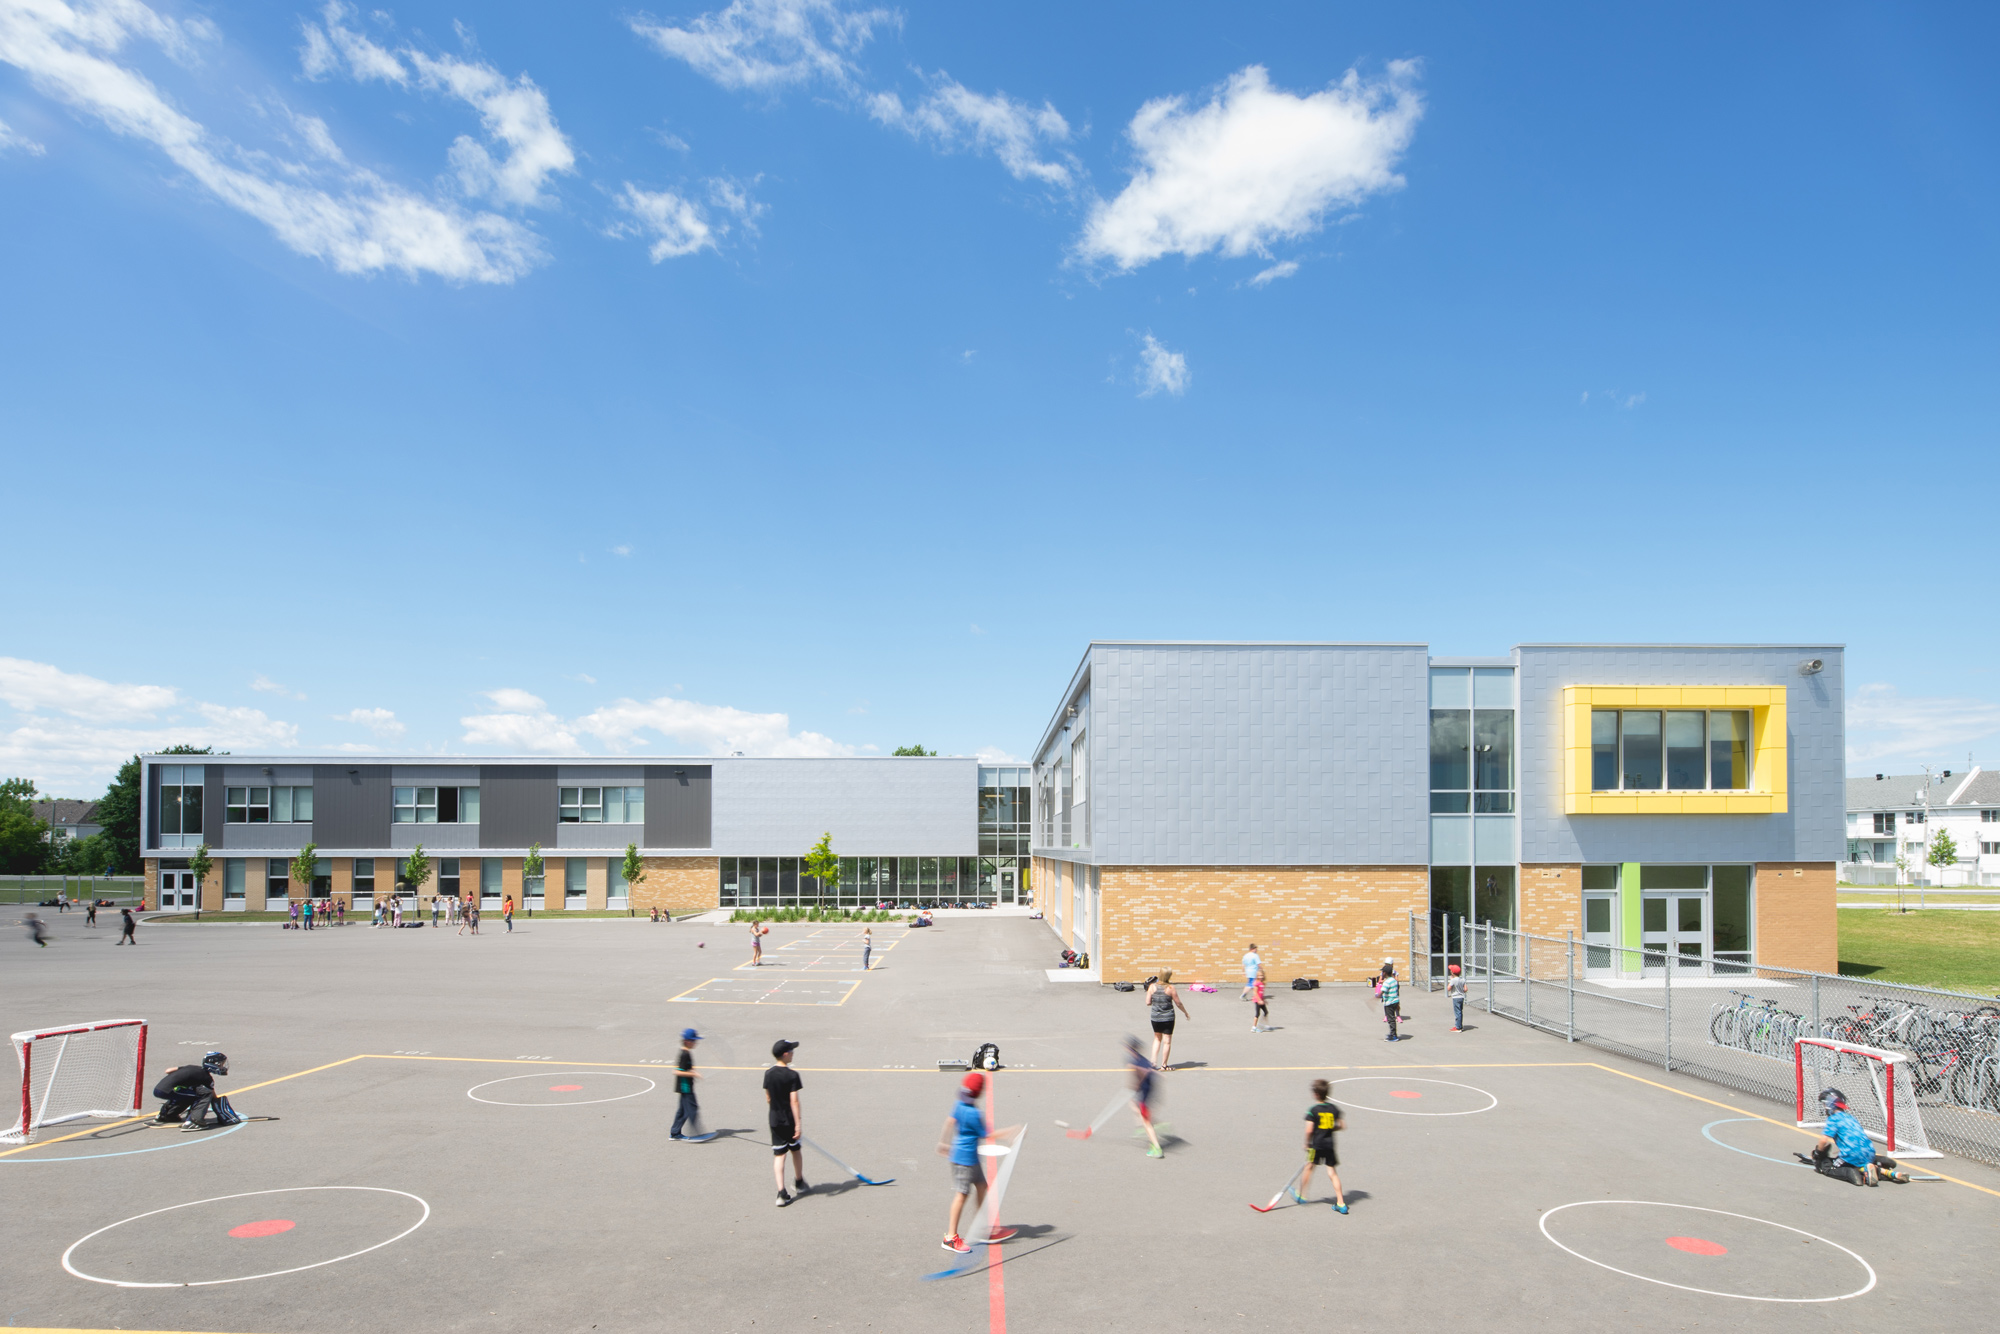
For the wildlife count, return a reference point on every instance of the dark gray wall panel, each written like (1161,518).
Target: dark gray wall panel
(517,805)
(350,809)
(212,814)
(680,805)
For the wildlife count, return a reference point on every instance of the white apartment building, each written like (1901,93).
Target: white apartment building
(1895,817)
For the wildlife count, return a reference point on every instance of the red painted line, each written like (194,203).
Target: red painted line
(996,1287)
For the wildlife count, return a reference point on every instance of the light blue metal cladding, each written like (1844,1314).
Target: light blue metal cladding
(1814,827)
(873,807)
(1253,754)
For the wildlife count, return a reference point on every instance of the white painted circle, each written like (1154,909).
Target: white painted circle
(1491,1101)
(473,1092)
(1866,1268)
(995,1150)
(244,1278)
(179,1141)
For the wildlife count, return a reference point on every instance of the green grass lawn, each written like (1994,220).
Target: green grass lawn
(1956,950)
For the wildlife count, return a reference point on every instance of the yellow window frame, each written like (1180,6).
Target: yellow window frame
(1767,794)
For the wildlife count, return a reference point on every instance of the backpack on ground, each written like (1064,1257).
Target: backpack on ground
(1121,986)
(1305,984)
(987,1057)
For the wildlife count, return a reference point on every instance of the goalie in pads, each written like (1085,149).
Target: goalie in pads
(187,1094)
(1845,1151)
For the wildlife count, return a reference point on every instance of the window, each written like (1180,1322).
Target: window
(1472,761)
(364,881)
(1885,822)
(247,805)
(575,879)
(233,878)
(1913,817)
(617,890)
(489,878)
(1675,750)
(447,881)
(180,804)
(1990,817)
(1988,849)
(625,805)
(277,878)
(435,805)
(581,805)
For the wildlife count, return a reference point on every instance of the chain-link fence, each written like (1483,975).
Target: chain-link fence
(1730,1022)
(35,889)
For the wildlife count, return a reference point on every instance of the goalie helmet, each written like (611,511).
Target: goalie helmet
(1833,1100)
(215,1063)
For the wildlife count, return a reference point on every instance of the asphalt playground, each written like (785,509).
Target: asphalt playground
(472,1135)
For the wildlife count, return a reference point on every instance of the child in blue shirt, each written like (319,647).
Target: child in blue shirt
(966,1129)
(1846,1151)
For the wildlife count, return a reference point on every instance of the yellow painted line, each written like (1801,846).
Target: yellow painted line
(1786,1125)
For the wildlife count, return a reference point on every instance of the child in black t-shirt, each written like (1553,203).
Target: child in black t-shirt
(687,1120)
(1322,1119)
(781,1091)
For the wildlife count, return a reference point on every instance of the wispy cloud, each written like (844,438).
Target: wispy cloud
(674,224)
(1160,369)
(953,116)
(1884,726)
(763,45)
(1283,269)
(266,685)
(523,722)
(1252,166)
(13,141)
(382,722)
(997,755)
(321,207)
(622,549)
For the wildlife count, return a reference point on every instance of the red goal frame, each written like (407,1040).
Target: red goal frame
(28,1040)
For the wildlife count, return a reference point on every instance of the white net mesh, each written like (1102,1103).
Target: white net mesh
(1879,1086)
(69,1074)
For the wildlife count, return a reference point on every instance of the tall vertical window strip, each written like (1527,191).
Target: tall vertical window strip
(1675,750)
(1472,740)
(180,801)
(233,878)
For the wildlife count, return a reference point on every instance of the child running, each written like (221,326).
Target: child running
(1322,1119)
(965,1130)
(1259,1017)
(1142,1071)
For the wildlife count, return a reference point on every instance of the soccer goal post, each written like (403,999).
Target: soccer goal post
(76,1072)
(1880,1088)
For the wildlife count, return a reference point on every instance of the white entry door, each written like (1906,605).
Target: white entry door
(1600,934)
(1674,927)
(178,890)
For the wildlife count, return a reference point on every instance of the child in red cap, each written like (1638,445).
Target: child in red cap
(964,1132)
(1454,987)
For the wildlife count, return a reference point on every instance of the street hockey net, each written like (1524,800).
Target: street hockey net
(84,1070)
(1880,1086)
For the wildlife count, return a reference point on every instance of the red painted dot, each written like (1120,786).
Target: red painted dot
(1405,1093)
(1697,1246)
(263,1227)
(564,1088)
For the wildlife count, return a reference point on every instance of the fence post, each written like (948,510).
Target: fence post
(1668,1044)
(1569,950)
(1489,968)
(1816,1032)
(1528,977)
(1411,971)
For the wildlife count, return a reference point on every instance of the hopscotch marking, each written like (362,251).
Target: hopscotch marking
(778,991)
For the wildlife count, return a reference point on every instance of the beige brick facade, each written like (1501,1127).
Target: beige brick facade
(1551,900)
(679,885)
(1336,923)
(1797,923)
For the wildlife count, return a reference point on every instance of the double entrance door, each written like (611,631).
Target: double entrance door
(1673,929)
(178,890)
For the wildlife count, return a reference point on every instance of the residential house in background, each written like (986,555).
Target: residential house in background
(67,819)
(1894,817)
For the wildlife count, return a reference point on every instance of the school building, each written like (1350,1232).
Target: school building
(1190,798)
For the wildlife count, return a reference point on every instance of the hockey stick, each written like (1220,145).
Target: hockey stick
(1110,1110)
(988,1216)
(866,1181)
(1283,1190)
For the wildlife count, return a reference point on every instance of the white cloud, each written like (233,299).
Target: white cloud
(382,722)
(1254,165)
(677,227)
(1885,727)
(622,549)
(32,686)
(1281,270)
(270,687)
(72,731)
(1160,369)
(514,114)
(523,722)
(12,139)
(357,222)
(955,116)
(768,44)
(996,755)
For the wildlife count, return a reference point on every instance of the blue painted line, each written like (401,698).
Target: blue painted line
(124,1153)
(1782,1162)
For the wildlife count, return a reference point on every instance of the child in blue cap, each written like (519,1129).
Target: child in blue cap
(688,1118)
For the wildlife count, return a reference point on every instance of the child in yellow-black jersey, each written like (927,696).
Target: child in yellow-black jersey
(1322,1119)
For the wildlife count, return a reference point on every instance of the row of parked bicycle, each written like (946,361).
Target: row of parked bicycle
(1954,1054)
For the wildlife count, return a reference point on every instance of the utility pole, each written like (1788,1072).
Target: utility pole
(1925,872)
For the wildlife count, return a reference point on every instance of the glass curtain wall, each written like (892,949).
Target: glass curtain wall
(783,882)
(1004,814)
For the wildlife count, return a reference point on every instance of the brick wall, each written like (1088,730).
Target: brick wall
(1551,900)
(1797,925)
(679,885)
(1336,923)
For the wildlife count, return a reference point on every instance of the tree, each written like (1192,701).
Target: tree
(531,870)
(823,866)
(634,868)
(1944,849)
(416,869)
(201,866)
(304,867)
(22,849)
(912,750)
(118,812)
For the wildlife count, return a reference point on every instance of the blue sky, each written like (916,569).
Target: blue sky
(803,377)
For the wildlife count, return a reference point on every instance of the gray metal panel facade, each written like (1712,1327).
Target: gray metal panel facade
(680,806)
(253,775)
(213,817)
(263,837)
(599,837)
(517,805)
(596,775)
(1813,829)
(434,837)
(873,807)
(448,775)
(350,810)
(1259,755)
